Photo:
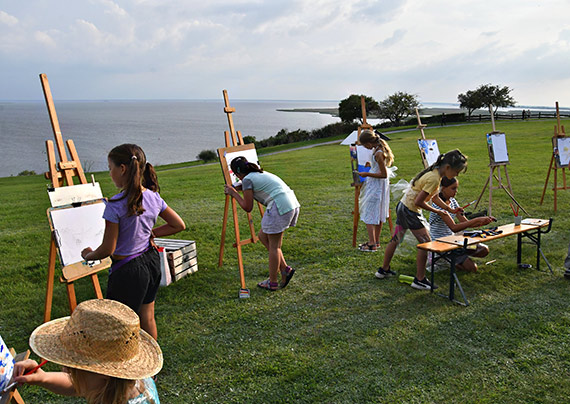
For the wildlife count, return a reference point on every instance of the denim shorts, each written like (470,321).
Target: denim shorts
(274,223)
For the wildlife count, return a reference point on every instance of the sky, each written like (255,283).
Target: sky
(284,50)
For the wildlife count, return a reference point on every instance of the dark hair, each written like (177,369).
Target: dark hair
(444,183)
(455,159)
(139,173)
(240,165)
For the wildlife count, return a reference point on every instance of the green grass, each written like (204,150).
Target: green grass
(336,334)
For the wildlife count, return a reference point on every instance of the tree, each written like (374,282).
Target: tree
(471,101)
(207,155)
(488,95)
(398,106)
(350,108)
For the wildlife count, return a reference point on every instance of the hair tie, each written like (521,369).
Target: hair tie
(134,157)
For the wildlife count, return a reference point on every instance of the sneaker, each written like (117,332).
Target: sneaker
(424,284)
(384,273)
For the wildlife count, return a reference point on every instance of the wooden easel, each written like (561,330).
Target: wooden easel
(555,161)
(234,138)
(492,167)
(421,125)
(14,395)
(357,184)
(62,174)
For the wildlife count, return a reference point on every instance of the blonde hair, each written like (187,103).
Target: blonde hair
(368,136)
(115,390)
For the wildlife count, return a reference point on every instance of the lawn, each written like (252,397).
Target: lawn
(336,334)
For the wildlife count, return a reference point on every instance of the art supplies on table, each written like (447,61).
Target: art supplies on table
(181,256)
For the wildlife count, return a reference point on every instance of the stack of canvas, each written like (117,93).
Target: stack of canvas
(181,256)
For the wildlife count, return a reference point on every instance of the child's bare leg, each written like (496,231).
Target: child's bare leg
(396,239)
(148,323)
(370,228)
(275,255)
(422,236)
(467,265)
(265,241)
(378,230)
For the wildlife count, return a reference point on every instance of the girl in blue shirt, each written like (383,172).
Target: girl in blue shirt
(282,212)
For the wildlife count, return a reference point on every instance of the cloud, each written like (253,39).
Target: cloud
(7,19)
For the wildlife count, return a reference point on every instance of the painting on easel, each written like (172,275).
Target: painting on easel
(6,365)
(227,154)
(429,151)
(563,151)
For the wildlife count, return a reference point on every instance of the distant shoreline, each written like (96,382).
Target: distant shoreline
(423,111)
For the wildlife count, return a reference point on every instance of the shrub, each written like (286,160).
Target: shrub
(27,172)
(207,155)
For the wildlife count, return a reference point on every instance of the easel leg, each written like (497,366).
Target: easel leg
(508,179)
(49,286)
(555,189)
(71,296)
(356,215)
(492,169)
(18,398)
(547,177)
(96,286)
(251,228)
(238,246)
(482,192)
(224,226)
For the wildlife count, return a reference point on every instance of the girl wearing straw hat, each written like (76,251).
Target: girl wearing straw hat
(107,358)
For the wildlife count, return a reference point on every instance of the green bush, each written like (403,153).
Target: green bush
(27,172)
(207,155)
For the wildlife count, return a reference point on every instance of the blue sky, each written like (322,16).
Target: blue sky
(305,49)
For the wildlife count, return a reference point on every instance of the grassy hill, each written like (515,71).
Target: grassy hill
(336,334)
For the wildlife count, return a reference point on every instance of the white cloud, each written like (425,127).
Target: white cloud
(7,19)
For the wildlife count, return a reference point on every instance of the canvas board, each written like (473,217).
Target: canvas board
(563,146)
(6,365)
(227,154)
(429,150)
(497,145)
(76,228)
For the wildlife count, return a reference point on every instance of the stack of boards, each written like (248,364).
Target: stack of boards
(181,255)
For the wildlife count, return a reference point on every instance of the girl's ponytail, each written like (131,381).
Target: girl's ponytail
(138,174)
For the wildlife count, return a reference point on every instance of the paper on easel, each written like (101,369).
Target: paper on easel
(6,365)
(75,193)
(498,142)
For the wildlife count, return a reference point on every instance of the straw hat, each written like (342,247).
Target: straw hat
(101,336)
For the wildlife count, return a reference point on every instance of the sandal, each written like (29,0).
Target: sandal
(288,273)
(268,285)
(367,247)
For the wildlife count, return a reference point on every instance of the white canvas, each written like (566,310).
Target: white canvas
(76,229)
(499,143)
(250,155)
(430,149)
(564,150)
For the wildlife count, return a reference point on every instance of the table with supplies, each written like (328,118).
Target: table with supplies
(450,247)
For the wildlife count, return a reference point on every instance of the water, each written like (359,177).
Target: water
(168,131)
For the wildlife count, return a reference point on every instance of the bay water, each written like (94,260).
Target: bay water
(169,131)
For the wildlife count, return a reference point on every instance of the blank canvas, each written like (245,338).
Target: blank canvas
(498,146)
(76,229)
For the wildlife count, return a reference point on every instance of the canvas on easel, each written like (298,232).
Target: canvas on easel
(559,160)
(8,358)
(363,155)
(429,150)
(235,147)
(62,174)
(498,158)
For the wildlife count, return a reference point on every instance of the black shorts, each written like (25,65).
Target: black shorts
(137,282)
(409,219)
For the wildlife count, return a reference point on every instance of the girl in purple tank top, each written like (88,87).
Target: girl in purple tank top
(130,217)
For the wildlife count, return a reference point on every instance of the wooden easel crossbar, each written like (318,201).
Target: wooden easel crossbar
(62,174)
(234,142)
